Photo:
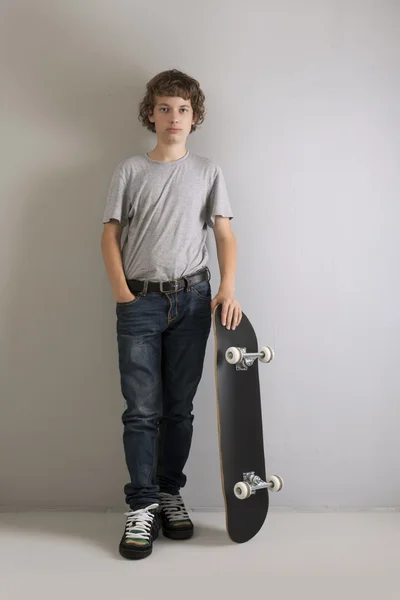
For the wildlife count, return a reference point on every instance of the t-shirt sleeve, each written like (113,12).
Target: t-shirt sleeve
(117,204)
(218,200)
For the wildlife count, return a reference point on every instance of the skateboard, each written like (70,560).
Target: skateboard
(245,485)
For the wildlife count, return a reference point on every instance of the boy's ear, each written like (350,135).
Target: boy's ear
(150,116)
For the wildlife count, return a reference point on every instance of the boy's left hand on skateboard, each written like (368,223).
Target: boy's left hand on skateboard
(231,313)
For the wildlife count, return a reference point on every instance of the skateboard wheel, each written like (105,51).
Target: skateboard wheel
(268,354)
(277,483)
(233,355)
(242,490)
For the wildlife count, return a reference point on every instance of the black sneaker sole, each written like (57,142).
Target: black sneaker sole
(132,554)
(177,535)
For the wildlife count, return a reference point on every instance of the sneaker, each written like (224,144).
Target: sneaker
(141,529)
(175,520)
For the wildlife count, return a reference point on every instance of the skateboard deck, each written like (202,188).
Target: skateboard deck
(240,429)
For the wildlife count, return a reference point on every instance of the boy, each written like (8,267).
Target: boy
(160,281)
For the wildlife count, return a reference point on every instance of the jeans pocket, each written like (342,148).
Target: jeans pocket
(202,290)
(131,302)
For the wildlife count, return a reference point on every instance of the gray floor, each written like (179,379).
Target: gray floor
(74,555)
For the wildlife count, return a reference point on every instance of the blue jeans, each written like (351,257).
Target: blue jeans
(162,339)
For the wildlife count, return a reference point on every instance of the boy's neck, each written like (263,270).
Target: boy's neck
(167,153)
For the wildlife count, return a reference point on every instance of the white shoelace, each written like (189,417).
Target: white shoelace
(173,507)
(139,522)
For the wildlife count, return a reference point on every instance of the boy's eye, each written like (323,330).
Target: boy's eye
(164,108)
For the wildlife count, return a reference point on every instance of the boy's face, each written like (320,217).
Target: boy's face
(173,118)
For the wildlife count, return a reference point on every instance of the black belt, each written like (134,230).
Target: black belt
(137,285)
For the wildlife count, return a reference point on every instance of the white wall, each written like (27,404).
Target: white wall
(303,116)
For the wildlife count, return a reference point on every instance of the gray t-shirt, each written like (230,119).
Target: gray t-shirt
(165,208)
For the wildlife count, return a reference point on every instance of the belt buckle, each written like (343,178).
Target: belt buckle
(174,283)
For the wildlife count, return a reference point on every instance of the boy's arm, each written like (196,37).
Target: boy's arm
(231,314)
(111,250)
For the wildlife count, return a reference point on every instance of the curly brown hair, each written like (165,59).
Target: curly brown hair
(172,83)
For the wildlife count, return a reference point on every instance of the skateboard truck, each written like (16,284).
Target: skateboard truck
(243,359)
(252,483)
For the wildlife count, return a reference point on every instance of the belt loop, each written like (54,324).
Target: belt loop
(188,286)
(144,291)
(208,273)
